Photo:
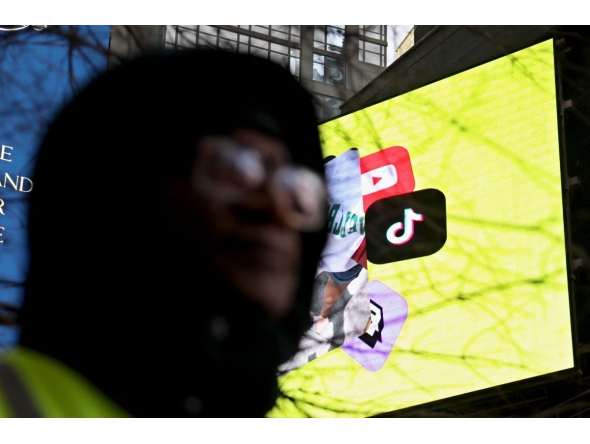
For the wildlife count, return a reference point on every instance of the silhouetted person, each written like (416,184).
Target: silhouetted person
(175,228)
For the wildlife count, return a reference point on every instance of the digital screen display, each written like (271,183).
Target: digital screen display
(445,271)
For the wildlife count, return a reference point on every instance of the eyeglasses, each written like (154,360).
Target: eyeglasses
(232,172)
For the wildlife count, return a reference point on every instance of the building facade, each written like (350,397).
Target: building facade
(333,62)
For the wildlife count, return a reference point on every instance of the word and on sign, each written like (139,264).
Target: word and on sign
(9,181)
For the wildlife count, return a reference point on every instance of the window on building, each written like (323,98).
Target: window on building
(285,56)
(294,61)
(328,70)
(378,32)
(326,107)
(291,33)
(187,36)
(329,37)
(287,32)
(372,53)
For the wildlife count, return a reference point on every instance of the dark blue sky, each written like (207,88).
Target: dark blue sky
(39,72)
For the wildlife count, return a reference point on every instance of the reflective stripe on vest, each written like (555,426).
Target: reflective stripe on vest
(18,397)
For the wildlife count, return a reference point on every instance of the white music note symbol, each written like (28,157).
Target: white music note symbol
(408,225)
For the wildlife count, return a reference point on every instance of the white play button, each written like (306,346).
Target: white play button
(378,179)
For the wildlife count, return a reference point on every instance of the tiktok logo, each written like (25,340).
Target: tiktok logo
(409,218)
(406,226)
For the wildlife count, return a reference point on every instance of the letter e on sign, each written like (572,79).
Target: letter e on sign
(4,155)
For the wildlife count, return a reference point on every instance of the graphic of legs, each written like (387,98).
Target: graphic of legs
(332,293)
(336,284)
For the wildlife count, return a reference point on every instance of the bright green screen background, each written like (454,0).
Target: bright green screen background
(491,306)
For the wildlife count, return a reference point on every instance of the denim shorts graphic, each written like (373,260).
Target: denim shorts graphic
(346,277)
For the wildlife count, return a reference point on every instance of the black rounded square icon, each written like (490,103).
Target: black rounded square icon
(406,226)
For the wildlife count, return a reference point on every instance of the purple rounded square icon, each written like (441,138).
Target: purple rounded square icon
(389,311)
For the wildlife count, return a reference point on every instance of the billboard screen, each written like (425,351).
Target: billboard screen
(40,70)
(445,271)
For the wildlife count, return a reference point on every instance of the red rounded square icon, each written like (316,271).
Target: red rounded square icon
(386,173)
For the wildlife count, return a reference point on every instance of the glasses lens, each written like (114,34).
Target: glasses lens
(246,166)
(308,192)
(235,165)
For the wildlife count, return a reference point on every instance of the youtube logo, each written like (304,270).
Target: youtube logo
(378,179)
(406,226)
(386,173)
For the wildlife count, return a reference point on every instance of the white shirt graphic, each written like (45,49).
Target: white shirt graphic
(343,177)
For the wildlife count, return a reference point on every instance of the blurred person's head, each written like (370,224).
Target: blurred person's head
(173,238)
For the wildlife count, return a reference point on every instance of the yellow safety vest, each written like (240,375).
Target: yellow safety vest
(35,385)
